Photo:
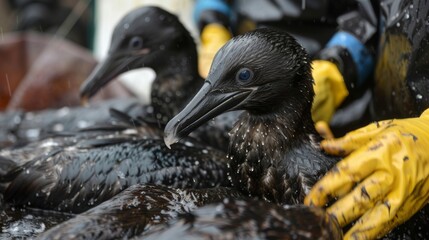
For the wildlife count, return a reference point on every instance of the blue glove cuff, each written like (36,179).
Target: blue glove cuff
(215,5)
(361,56)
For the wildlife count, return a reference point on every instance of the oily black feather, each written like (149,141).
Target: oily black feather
(234,219)
(135,210)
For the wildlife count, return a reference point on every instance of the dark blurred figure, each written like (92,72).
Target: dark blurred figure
(47,16)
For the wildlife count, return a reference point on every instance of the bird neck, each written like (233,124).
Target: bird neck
(259,145)
(269,133)
(174,85)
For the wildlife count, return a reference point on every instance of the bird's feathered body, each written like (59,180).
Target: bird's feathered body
(274,160)
(80,176)
(249,219)
(135,210)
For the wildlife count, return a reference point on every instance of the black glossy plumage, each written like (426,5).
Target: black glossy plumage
(81,175)
(273,150)
(234,219)
(152,37)
(136,209)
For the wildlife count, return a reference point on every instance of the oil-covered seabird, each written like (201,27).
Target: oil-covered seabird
(154,38)
(274,149)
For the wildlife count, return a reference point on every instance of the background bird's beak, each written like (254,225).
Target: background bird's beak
(103,74)
(207,104)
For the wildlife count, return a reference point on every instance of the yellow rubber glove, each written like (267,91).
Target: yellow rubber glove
(330,90)
(324,130)
(213,37)
(384,179)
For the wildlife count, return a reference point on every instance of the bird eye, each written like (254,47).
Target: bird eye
(136,42)
(244,75)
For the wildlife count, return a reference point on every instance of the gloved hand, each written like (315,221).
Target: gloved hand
(213,37)
(330,90)
(389,162)
(324,130)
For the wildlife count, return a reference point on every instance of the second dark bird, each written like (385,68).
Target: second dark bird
(154,38)
(274,148)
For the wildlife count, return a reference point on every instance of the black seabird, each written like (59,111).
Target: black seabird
(154,38)
(274,148)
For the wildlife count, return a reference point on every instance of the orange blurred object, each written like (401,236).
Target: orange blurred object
(40,71)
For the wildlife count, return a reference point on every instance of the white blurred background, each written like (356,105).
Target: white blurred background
(109,12)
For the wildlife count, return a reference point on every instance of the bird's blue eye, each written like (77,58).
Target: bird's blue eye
(136,42)
(244,75)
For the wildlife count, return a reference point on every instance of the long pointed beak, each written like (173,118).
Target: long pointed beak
(207,104)
(103,74)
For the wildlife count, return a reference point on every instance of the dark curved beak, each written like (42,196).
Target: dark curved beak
(103,74)
(207,104)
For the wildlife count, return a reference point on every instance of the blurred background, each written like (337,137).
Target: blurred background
(87,25)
